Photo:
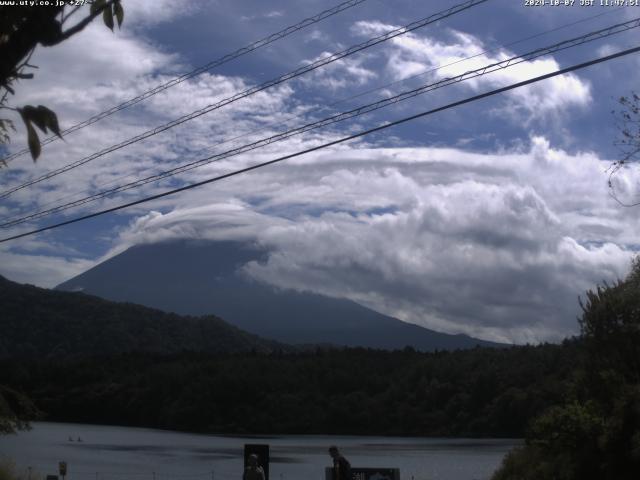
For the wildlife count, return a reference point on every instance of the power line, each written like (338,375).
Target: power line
(334,142)
(197,71)
(515,60)
(484,52)
(10,220)
(253,90)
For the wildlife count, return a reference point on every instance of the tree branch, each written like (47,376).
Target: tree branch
(78,27)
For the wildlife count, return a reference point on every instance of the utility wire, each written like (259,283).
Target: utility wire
(331,106)
(253,90)
(197,71)
(515,60)
(334,142)
(464,59)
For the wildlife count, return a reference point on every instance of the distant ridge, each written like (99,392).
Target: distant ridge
(197,278)
(40,323)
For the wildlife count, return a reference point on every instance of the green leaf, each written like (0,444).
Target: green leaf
(52,122)
(107,16)
(97,5)
(119,12)
(49,119)
(42,117)
(36,115)
(33,140)
(27,113)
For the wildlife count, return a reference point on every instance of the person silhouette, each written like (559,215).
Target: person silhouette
(341,466)
(253,471)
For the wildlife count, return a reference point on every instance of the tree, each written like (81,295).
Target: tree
(610,327)
(595,434)
(22,29)
(16,410)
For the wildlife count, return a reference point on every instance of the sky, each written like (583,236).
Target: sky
(489,219)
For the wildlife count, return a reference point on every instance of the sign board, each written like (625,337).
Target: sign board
(62,468)
(367,473)
(262,451)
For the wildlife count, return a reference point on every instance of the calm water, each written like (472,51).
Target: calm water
(122,453)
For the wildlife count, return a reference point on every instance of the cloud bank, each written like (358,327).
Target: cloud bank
(496,244)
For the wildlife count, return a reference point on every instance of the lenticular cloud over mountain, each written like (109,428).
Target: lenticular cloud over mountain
(459,242)
(212,278)
(487,219)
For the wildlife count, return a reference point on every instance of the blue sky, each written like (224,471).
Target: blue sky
(488,219)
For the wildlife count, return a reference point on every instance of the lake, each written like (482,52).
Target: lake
(123,453)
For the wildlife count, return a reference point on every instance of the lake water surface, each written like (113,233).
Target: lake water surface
(123,453)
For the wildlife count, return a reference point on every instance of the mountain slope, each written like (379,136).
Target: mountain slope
(37,322)
(199,278)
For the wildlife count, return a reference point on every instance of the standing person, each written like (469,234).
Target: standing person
(341,466)
(253,471)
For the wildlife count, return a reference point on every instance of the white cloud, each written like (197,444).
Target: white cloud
(274,14)
(124,68)
(268,15)
(41,270)
(494,244)
(317,36)
(339,74)
(487,244)
(413,54)
(144,13)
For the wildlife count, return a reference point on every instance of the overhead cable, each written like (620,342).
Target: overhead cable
(253,90)
(510,62)
(333,104)
(197,71)
(329,144)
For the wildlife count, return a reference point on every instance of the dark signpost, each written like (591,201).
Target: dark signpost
(375,474)
(368,473)
(262,451)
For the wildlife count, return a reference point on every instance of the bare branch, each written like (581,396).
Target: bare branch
(613,195)
(627,121)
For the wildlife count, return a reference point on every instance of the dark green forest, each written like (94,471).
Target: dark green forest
(83,359)
(480,392)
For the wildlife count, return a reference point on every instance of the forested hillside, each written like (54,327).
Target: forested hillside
(37,322)
(480,392)
(74,355)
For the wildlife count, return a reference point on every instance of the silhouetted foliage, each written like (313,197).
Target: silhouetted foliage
(16,410)
(595,433)
(480,392)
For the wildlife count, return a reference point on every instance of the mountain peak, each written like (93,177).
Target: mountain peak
(200,278)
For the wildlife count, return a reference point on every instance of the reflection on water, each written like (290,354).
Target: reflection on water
(121,453)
